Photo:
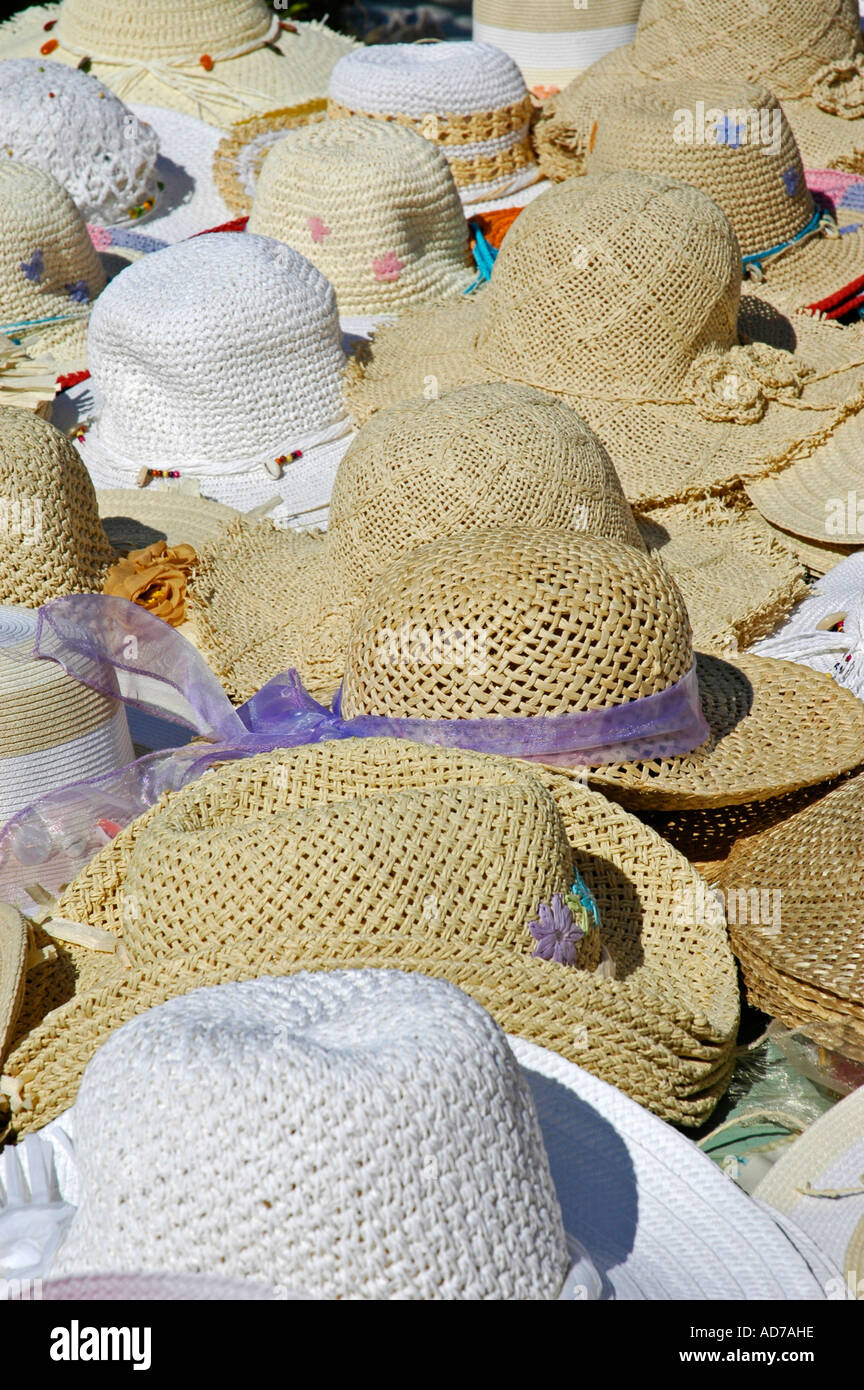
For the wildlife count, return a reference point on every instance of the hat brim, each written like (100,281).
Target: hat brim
(826,141)
(133,518)
(819,559)
(240,153)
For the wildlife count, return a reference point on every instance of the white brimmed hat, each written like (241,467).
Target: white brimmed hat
(468,98)
(826,630)
(554,40)
(220,359)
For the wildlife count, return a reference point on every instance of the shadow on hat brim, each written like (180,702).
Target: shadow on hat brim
(819,559)
(134,518)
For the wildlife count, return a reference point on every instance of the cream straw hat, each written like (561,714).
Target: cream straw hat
(732,140)
(468,98)
(554,40)
(808,54)
(219,60)
(239,154)
(489,455)
(219,360)
(69,124)
(402,241)
(621,293)
(233,876)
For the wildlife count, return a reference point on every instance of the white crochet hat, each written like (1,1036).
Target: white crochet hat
(826,630)
(49,270)
(469,98)
(384,1145)
(374,206)
(219,359)
(69,124)
(554,40)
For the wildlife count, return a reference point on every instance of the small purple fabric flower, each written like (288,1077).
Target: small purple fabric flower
(790,180)
(34,268)
(79,292)
(557,932)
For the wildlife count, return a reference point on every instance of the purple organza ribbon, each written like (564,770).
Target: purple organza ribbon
(124,652)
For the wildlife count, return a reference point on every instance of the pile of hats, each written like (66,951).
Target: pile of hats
(417,697)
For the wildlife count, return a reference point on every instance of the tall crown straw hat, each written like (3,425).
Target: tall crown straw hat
(468,98)
(638,322)
(477,869)
(405,241)
(218,362)
(809,54)
(554,40)
(640,1200)
(218,60)
(480,456)
(732,140)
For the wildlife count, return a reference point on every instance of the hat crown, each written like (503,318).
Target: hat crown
(444,79)
(388,1148)
(407,240)
(611,285)
(54,543)
(783,46)
(480,456)
(69,124)
(541,622)
(729,139)
(145,29)
(48,266)
(221,348)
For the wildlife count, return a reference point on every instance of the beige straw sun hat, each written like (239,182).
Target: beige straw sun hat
(387,852)
(554,40)
(488,455)
(219,60)
(403,240)
(808,53)
(622,294)
(239,155)
(732,140)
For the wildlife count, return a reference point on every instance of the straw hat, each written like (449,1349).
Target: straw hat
(826,630)
(481,842)
(405,241)
(808,54)
(13,969)
(564,624)
(809,971)
(219,360)
(818,1186)
(468,98)
(732,140)
(219,60)
(239,155)
(488,455)
(634,321)
(816,498)
(69,124)
(554,40)
(53,730)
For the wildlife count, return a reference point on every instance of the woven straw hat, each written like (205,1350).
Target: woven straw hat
(468,98)
(809,970)
(53,730)
(69,124)
(14,947)
(219,359)
(818,1186)
(238,157)
(568,623)
(192,914)
(219,60)
(449,1142)
(49,270)
(403,242)
(816,498)
(554,40)
(807,54)
(621,293)
(732,140)
(488,455)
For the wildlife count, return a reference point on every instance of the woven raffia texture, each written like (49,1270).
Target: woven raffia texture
(13,967)
(468,98)
(553,40)
(491,455)
(439,868)
(69,124)
(562,623)
(808,969)
(49,271)
(241,152)
(621,292)
(394,1103)
(403,241)
(807,52)
(53,542)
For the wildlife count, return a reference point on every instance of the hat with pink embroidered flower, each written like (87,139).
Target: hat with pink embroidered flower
(404,241)
(218,366)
